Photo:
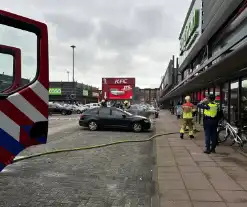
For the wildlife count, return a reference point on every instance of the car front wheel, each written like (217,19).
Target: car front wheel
(64,112)
(92,125)
(137,127)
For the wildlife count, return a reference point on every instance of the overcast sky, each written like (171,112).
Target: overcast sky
(113,38)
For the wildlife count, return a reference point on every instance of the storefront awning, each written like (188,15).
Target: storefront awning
(231,65)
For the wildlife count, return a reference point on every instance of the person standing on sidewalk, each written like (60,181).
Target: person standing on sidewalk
(179,110)
(188,108)
(210,122)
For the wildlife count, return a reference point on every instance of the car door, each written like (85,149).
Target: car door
(104,117)
(24,111)
(119,118)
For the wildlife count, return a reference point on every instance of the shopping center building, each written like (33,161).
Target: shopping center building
(213,57)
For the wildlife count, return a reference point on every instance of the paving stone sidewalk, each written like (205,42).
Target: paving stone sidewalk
(187,177)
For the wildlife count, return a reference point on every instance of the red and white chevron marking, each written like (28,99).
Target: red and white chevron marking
(24,108)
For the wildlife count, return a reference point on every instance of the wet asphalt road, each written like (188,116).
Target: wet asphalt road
(119,175)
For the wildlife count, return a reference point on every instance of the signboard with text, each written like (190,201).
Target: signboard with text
(85,92)
(117,88)
(119,92)
(118,81)
(55,91)
(190,33)
(191,30)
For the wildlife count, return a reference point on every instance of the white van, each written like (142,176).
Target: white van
(92,105)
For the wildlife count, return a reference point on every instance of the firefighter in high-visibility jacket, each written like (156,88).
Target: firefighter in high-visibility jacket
(126,105)
(210,122)
(188,109)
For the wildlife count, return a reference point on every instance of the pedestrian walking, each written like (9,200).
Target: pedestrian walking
(179,110)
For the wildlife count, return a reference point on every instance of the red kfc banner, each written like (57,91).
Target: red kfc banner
(117,88)
(118,81)
(119,92)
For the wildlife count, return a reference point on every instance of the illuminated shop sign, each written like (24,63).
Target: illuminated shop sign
(190,34)
(55,91)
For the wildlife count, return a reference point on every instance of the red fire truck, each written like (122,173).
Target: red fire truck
(16,54)
(24,109)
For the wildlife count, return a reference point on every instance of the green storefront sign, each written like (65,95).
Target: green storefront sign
(189,34)
(55,91)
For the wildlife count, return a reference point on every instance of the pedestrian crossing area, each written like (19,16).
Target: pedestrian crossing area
(64,118)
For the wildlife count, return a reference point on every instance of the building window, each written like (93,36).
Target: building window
(244,101)
(200,58)
(211,91)
(234,102)
(225,100)
(217,94)
(231,34)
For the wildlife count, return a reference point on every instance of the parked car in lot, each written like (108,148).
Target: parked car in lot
(56,108)
(136,110)
(92,105)
(111,117)
(78,108)
(154,110)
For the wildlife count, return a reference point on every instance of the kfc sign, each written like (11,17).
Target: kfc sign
(127,88)
(118,81)
(121,81)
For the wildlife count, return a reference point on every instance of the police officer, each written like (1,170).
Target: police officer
(188,108)
(210,122)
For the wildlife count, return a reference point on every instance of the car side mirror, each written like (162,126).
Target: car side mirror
(124,116)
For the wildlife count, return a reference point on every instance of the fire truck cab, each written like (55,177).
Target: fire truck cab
(15,63)
(23,108)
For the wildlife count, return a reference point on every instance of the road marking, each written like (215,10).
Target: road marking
(64,118)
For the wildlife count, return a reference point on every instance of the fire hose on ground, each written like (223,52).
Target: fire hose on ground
(92,147)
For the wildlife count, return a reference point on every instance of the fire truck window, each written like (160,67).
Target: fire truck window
(6,70)
(22,45)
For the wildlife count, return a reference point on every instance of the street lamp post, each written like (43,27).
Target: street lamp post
(73,48)
(73,72)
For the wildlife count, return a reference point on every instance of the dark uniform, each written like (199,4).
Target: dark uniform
(104,103)
(210,123)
